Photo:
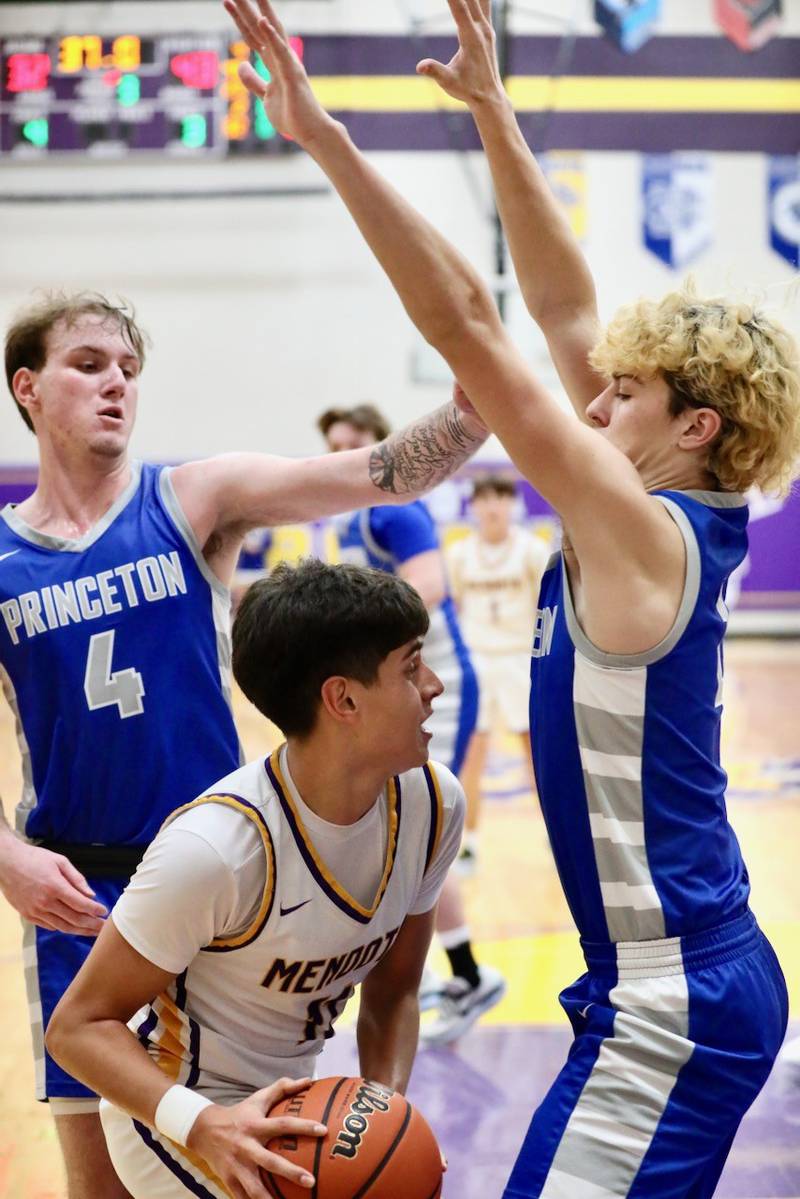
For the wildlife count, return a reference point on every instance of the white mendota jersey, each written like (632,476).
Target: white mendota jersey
(250,1004)
(496,588)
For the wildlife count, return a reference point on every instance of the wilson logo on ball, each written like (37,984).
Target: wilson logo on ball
(370,1098)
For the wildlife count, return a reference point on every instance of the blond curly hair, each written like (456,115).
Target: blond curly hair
(720,354)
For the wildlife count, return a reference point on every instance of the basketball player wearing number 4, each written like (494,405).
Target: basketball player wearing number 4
(683,403)
(259,906)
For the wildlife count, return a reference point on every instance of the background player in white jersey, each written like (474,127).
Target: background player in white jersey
(114,632)
(685,403)
(495,573)
(260,906)
(407,544)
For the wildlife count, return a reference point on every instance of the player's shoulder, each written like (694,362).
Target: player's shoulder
(235,816)
(432,782)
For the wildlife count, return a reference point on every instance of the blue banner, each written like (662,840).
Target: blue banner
(783,193)
(628,23)
(677,194)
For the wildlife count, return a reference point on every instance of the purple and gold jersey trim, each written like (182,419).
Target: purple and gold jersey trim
(172,1037)
(192,1184)
(437,814)
(225,944)
(332,888)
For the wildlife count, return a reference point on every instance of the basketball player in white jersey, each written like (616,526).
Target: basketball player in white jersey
(494,575)
(260,905)
(686,402)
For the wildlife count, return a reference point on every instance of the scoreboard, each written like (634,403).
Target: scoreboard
(111,97)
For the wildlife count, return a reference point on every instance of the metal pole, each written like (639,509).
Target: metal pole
(500,15)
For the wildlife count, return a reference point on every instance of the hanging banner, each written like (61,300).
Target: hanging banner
(627,23)
(783,192)
(677,194)
(567,178)
(750,24)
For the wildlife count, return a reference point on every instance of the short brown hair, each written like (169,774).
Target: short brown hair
(364,417)
(26,339)
(306,623)
(499,484)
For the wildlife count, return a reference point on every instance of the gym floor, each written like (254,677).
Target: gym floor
(480,1093)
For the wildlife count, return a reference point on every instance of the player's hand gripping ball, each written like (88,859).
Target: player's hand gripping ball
(377,1145)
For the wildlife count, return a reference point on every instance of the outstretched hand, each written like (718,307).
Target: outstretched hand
(289,102)
(472,75)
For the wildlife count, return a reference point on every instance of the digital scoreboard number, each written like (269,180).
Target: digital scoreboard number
(111,97)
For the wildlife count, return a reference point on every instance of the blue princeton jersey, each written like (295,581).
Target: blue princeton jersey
(385,537)
(626,749)
(115,656)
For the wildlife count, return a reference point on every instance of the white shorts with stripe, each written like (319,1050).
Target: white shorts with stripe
(505,685)
(152,1167)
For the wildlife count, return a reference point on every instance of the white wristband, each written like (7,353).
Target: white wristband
(177,1111)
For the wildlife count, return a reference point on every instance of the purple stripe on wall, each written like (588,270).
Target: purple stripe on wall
(657,133)
(528,55)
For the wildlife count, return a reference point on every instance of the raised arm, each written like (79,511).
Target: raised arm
(594,486)
(553,274)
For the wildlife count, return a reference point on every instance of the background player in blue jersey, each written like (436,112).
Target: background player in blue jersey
(683,404)
(114,648)
(406,542)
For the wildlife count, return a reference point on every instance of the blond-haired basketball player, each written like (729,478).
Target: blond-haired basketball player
(686,403)
(260,906)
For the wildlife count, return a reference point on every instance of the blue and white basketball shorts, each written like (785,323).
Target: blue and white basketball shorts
(674,1039)
(455,714)
(52,960)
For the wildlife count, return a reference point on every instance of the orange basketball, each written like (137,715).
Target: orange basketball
(377,1145)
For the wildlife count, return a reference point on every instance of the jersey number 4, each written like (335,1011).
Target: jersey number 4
(105,687)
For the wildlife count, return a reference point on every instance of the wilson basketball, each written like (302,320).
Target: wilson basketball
(377,1146)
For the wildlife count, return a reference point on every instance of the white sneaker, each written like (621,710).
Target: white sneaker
(461,1005)
(431,989)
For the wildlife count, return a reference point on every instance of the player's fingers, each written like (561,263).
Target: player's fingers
(41,921)
(476,9)
(249,1186)
(77,901)
(67,920)
(276,1164)
(267,1097)
(252,80)
(461,16)
(73,875)
(289,1086)
(268,11)
(276,1126)
(282,53)
(246,19)
(438,72)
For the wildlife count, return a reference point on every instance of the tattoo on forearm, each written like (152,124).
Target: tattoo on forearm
(424,454)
